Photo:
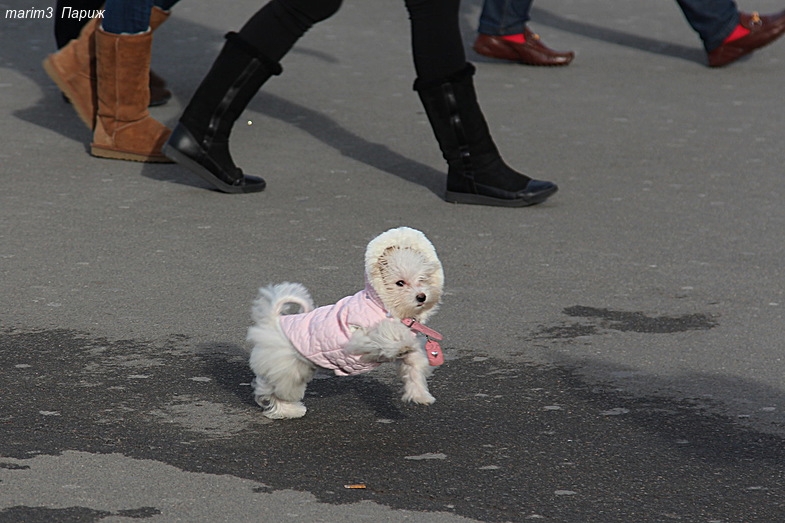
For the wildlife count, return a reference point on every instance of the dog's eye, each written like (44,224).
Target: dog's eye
(400,283)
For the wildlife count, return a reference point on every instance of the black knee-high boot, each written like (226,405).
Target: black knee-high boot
(200,142)
(476,174)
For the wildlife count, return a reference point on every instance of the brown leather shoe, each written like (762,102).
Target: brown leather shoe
(763,31)
(531,52)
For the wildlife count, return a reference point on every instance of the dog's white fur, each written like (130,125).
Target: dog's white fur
(402,267)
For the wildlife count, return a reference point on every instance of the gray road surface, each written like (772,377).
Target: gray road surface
(614,355)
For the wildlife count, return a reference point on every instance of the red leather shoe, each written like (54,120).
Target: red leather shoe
(763,31)
(531,52)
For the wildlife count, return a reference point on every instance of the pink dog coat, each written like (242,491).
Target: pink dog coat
(322,334)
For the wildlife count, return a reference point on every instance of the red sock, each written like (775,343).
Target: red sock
(739,32)
(516,39)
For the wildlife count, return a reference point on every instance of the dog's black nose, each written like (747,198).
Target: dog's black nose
(421,298)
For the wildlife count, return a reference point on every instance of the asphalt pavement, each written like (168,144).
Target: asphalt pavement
(613,355)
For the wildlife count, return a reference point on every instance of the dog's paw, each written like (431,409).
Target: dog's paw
(419,396)
(287,411)
(394,339)
(387,341)
(277,409)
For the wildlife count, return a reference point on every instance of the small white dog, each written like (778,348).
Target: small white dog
(291,339)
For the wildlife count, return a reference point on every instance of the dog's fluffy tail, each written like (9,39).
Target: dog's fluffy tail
(280,299)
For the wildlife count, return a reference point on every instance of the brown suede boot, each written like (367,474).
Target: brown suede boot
(72,68)
(124,129)
(157,17)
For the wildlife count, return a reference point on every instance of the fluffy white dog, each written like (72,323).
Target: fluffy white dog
(383,322)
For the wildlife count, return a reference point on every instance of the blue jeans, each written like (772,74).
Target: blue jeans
(130,16)
(713,20)
(504,17)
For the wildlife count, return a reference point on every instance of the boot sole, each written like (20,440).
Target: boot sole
(203,173)
(484,51)
(113,154)
(478,199)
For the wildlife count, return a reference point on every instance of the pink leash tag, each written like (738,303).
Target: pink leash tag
(432,348)
(434,352)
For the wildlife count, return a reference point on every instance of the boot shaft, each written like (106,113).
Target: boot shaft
(201,139)
(72,68)
(124,128)
(235,77)
(123,75)
(477,173)
(80,52)
(157,17)
(457,120)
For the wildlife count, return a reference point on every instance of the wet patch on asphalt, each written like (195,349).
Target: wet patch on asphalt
(639,322)
(71,514)
(505,441)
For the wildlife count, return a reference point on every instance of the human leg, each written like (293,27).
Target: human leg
(73,67)
(134,17)
(753,32)
(200,142)
(124,129)
(126,16)
(274,29)
(476,172)
(504,17)
(713,20)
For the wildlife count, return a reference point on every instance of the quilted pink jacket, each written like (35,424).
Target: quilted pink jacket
(322,334)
